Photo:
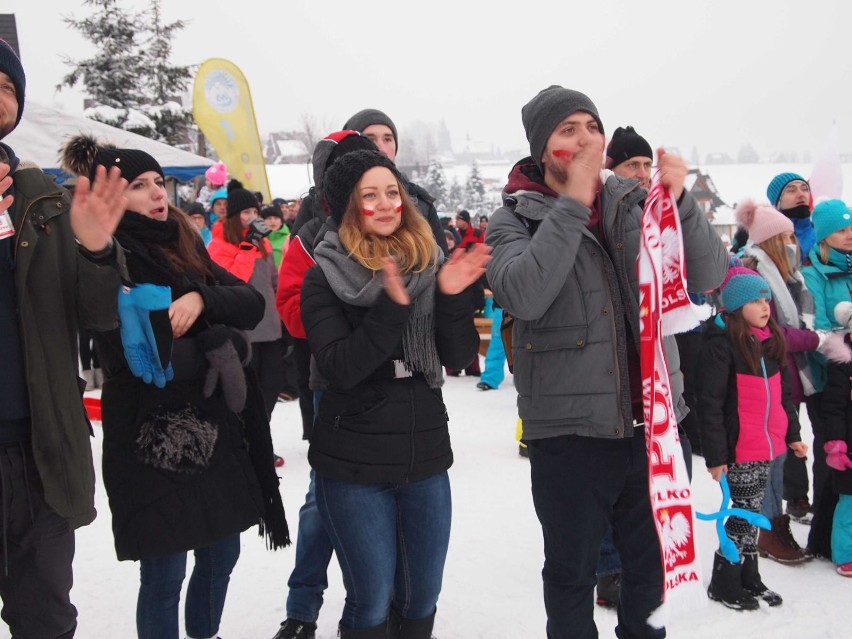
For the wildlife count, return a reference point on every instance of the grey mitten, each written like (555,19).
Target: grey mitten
(220,345)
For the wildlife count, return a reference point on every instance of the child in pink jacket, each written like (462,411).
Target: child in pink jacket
(747,419)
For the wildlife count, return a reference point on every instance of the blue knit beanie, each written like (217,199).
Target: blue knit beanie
(741,286)
(830,216)
(220,194)
(773,191)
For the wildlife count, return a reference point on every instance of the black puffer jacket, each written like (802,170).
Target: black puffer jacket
(372,427)
(158,511)
(836,404)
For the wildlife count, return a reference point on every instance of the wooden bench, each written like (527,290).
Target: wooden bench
(483,327)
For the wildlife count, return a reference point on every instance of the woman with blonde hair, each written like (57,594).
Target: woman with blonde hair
(829,279)
(382,315)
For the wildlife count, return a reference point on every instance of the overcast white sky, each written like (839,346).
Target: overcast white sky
(712,74)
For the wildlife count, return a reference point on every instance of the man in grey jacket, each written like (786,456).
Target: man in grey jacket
(58,271)
(564,264)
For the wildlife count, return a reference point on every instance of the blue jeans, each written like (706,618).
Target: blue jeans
(309,578)
(391,542)
(771,506)
(159,591)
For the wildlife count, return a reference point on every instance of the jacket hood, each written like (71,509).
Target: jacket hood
(525,176)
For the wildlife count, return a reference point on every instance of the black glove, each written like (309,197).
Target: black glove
(257,230)
(227,351)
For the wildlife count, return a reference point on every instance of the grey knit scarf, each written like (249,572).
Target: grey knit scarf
(354,284)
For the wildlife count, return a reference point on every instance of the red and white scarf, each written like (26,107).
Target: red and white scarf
(665,309)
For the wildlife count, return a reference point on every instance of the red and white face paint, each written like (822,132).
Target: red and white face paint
(369,211)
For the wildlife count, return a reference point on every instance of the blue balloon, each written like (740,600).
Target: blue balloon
(726,545)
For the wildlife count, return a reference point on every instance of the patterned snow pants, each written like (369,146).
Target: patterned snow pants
(748,484)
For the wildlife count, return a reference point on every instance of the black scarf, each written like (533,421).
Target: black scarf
(801,212)
(143,240)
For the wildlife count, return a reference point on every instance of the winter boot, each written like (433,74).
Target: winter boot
(779,543)
(609,591)
(726,585)
(753,584)
(376,632)
(98,377)
(89,376)
(416,628)
(295,629)
(800,510)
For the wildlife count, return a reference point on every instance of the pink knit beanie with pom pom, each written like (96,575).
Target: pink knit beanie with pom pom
(761,221)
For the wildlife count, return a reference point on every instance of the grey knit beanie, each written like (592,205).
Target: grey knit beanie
(367,117)
(546,110)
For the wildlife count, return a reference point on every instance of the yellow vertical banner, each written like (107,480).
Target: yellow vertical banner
(222,109)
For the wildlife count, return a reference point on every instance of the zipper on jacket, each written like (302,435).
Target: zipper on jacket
(413,425)
(768,404)
(24,218)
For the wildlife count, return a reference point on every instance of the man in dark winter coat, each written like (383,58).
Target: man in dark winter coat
(57,272)
(572,288)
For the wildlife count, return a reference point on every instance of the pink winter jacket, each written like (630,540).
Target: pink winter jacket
(742,416)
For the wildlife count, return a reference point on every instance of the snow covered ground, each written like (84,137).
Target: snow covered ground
(492,582)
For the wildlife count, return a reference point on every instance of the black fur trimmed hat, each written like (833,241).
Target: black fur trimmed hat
(82,154)
(343,175)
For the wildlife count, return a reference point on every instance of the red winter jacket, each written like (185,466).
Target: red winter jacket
(296,262)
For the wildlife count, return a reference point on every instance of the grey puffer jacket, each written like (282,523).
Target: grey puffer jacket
(575,300)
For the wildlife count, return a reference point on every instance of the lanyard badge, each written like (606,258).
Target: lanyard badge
(7,229)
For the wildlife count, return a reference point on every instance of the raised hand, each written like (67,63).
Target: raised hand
(394,286)
(582,169)
(463,269)
(673,172)
(96,208)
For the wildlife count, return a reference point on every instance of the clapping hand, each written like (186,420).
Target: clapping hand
(582,169)
(394,286)
(463,269)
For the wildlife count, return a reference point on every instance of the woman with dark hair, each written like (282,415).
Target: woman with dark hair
(186,453)
(242,249)
(382,314)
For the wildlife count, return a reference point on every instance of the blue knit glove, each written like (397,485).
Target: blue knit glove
(137,336)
